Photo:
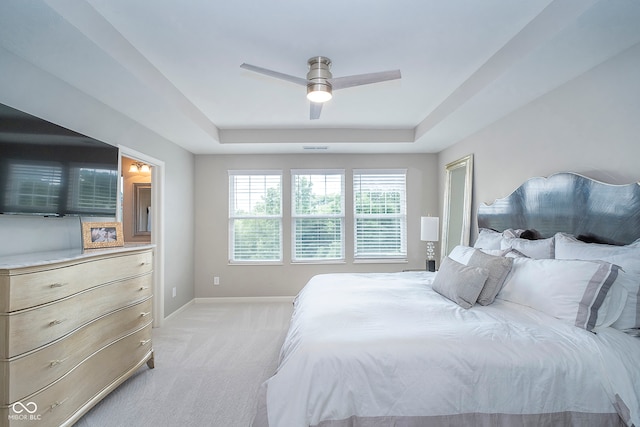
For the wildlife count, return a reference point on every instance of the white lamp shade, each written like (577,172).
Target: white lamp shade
(429,226)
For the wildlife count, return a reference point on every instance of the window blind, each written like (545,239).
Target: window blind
(317,215)
(255,216)
(380,213)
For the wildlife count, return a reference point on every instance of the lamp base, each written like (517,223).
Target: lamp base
(431,265)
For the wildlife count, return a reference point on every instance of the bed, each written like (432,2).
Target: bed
(532,326)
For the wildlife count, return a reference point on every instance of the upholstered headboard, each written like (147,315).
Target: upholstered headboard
(570,203)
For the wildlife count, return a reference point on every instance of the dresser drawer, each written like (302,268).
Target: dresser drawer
(31,328)
(75,393)
(42,367)
(32,286)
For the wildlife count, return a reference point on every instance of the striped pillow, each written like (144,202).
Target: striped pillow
(570,290)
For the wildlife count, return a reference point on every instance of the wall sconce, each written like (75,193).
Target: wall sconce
(429,226)
(139,167)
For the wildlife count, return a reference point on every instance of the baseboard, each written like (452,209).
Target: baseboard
(180,310)
(243,299)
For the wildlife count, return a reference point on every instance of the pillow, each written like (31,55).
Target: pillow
(510,232)
(488,239)
(494,262)
(573,291)
(462,254)
(627,257)
(539,249)
(498,268)
(513,253)
(459,283)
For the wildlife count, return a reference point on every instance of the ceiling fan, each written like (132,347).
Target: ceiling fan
(320,82)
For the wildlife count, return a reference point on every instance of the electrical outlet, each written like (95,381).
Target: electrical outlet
(216,280)
(173,292)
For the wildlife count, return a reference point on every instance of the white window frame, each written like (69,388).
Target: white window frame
(233,216)
(365,256)
(297,216)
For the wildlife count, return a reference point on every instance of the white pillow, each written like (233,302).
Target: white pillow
(488,239)
(627,257)
(461,254)
(570,290)
(539,249)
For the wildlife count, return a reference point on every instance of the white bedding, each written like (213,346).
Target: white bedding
(378,349)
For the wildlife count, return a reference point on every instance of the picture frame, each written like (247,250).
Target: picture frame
(102,235)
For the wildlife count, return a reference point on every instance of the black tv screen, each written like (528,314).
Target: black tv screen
(48,170)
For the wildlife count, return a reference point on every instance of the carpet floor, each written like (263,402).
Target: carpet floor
(210,360)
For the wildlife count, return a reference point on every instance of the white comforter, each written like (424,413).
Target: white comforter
(386,347)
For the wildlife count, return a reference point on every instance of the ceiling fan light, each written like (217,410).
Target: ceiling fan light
(319,92)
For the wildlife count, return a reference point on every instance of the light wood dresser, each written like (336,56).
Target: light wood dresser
(72,328)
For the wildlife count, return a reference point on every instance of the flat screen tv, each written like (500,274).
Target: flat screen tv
(48,170)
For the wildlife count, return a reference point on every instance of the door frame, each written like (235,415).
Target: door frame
(157,230)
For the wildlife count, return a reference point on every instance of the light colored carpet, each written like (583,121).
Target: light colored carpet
(210,360)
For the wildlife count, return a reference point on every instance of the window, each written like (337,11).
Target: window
(380,206)
(317,215)
(255,216)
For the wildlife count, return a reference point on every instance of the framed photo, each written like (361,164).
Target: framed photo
(102,234)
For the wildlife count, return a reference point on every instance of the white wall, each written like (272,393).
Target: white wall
(590,125)
(29,89)
(212,207)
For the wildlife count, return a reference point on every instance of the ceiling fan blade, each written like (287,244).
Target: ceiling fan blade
(315,110)
(276,74)
(364,79)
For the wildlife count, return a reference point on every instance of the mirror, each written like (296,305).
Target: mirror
(142,209)
(456,224)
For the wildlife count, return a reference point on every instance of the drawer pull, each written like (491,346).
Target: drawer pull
(56,322)
(57,362)
(142,288)
(145,342)
(56,404)
(144,263)
(145,314)
(56,285)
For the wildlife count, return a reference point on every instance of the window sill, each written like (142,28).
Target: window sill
(380,261)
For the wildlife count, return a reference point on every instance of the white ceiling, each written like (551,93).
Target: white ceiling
(173,66)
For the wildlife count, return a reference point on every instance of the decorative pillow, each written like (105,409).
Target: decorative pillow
(459,283)
(498,268)
(539,249)
(570,290)
(627,257)
(488,239)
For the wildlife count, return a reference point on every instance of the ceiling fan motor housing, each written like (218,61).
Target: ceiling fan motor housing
(319,74)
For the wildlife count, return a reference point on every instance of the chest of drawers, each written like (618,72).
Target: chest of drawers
(72,331)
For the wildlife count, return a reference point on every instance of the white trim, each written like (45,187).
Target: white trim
(157,230)
(180,310)
(234,172)
(380,261)
(223,300)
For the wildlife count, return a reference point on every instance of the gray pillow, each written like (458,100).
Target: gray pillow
(498,268)
(459,283)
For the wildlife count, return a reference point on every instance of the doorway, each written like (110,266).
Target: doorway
(142,213)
